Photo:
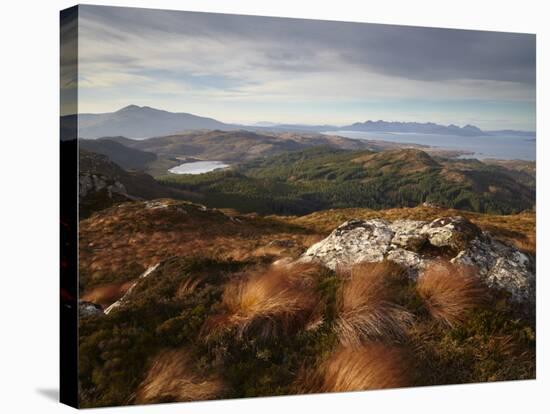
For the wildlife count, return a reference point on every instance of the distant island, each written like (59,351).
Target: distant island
(416,128)
(432,128)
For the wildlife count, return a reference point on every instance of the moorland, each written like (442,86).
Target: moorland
(219,285)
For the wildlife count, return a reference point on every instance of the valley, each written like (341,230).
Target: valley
(301,182)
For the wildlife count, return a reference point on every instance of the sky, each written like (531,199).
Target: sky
(247,69)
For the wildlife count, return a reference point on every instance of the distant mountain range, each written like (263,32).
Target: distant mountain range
(143,122)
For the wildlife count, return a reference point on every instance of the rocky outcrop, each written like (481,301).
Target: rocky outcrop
(97,191)
(92,183)
(413,244)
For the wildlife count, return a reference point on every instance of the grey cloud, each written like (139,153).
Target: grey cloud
(415,53)
(68,61)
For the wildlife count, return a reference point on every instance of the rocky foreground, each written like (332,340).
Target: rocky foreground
(414,244)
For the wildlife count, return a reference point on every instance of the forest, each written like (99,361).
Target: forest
(321,178)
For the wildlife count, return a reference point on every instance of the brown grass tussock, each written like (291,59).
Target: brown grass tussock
(449,291)
(369,367)
(172,377)
(365,308)
(272,301)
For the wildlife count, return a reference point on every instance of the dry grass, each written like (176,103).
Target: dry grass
(112,239)
(107,294)
(188,286)
(365,310)
(171,377)
(271,301)
(450,291)
(369,367)
(517,229)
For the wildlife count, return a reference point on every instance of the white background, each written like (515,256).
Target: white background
(29,205)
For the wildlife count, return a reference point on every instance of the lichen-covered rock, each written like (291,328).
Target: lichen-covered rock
(353,242)
(501,266)
(452,232)
(410,260)
(413,244)
(408,234)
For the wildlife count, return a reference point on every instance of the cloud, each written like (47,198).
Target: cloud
(413,52)
(201,56)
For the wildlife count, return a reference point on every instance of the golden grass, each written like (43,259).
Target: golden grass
(171,377)
(449,291)
(107,294)
(269,301)
(517,229)
(369,367)
(112,239)
(365,310)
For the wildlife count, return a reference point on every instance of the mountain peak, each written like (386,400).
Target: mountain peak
(134,121)
(129,108)
(136,108)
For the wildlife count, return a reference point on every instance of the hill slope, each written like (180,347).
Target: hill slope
(104,183)
(320,178)
(140,234)
(235,146)
(125,156)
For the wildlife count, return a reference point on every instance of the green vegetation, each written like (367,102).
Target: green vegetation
(493,344)
(170,310)
(321,178)
(115,350)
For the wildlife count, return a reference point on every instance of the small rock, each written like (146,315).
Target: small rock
(430,204)
(124,299)
(156,204)
(87,309)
